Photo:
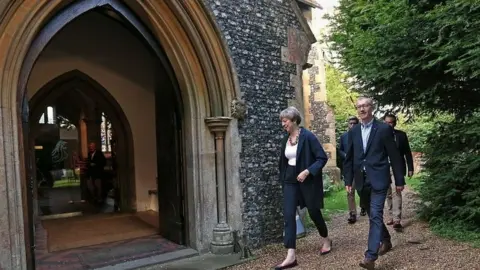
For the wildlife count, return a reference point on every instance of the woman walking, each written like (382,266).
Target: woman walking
(301,161)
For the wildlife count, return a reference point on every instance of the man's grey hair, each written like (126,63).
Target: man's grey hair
(291,113)
(369,100)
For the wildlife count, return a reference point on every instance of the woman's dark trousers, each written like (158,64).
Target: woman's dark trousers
(291,197)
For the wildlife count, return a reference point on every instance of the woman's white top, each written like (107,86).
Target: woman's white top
(291,153)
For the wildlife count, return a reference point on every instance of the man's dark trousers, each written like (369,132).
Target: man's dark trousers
(373,201)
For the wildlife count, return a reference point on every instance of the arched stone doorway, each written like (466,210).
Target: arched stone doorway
(206,85)
(92,90)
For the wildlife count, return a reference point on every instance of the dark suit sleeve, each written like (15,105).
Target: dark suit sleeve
(394,154)
(102,161)
(341,151)
(408,154)
(348,161)
(319,154)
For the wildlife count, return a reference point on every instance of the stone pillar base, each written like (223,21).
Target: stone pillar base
(334,173)
(222,239)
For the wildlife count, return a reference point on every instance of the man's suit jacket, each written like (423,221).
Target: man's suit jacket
(403,146)
(375,160)
(100,161)
(343,145)
(311,156)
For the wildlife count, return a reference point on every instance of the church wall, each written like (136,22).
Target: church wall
(260,35)
(101,49)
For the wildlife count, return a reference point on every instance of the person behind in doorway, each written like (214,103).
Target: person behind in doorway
(370,147)
(394,199)
(302,159)
(95,170)
(343,144)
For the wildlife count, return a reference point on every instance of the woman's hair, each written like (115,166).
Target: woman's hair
(291,113)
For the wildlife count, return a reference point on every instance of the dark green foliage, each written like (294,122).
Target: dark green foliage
(411,54)
(422,57)
(419,129)
(452,189)
(418,132)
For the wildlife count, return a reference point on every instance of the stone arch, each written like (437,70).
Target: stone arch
(207,85)
(81,81)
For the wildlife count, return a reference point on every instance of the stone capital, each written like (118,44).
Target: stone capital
(218,124)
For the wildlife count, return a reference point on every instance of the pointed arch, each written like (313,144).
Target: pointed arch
(207,86)
(58,21)
(76,79)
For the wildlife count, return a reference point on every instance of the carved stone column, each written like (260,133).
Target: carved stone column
(222,233)
(83,137)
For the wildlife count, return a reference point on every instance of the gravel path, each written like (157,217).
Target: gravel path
(415,248)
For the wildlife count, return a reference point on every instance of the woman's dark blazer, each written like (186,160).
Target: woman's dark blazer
(311,156)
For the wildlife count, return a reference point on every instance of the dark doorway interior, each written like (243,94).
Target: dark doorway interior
(67,114)
(61,179)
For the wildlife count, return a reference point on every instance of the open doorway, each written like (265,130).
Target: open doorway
(100,81)
(60,132)
(57,175)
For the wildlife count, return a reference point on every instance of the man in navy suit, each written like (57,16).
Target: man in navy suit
(343,145)
(370,153)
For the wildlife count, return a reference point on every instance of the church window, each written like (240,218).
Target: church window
(106,133)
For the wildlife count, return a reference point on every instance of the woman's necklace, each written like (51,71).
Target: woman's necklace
(293,143)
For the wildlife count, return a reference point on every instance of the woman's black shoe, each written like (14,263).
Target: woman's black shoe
(287,266)
(352,219)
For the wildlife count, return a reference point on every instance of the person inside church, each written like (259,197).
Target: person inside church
(301,161)
(95,170)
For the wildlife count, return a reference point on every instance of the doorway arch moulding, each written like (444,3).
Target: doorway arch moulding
(208,86)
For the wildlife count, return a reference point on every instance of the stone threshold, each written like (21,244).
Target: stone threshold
(153,260)
(203,262)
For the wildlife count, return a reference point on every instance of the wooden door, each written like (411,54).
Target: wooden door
(170,190)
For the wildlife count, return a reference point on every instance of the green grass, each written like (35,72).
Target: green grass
(457,232)
(66,183)
(335,202)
